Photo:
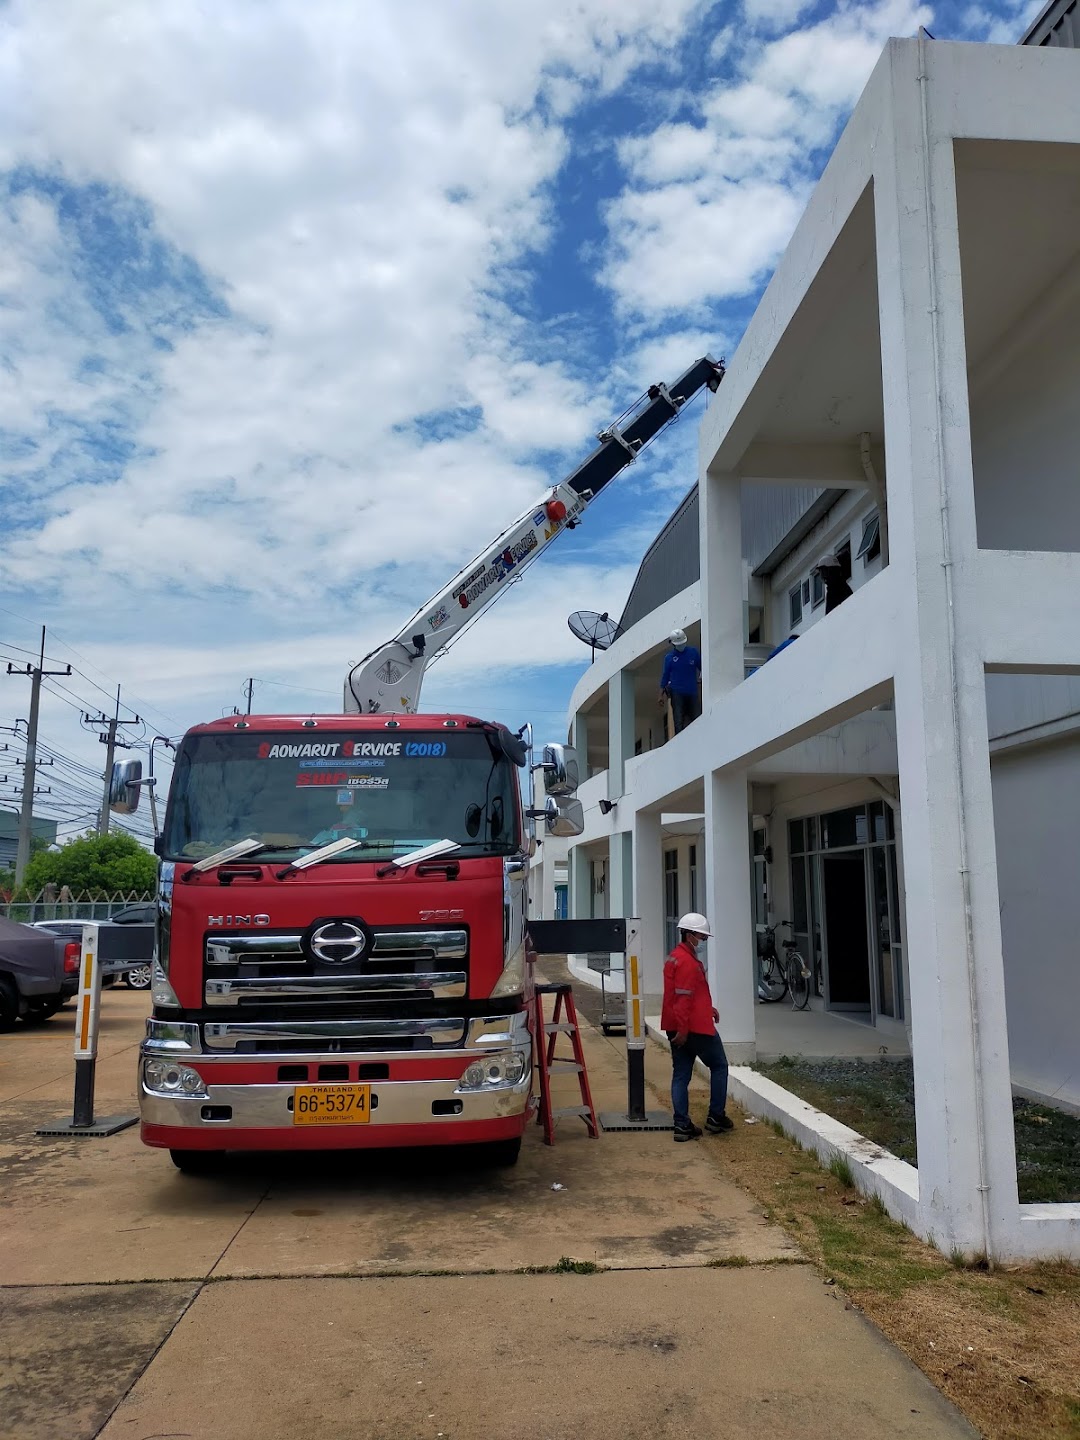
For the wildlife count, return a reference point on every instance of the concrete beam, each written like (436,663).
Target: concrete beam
(837,467)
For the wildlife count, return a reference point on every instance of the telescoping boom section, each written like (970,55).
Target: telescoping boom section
(388,680)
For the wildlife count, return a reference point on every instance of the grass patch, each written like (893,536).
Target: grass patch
(840,1166)
(565,1265)
(877,1098)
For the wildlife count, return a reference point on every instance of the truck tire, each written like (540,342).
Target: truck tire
(9,1003)
(503,1153)
(38,1011)
(196,1162)
(138,978)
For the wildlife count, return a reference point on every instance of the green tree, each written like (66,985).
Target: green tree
(98,865)
(7,876)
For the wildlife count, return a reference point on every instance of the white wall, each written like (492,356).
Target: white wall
(1036,810)
(1025,432)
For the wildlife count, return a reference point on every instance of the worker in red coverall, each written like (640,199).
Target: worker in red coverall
(689,1018)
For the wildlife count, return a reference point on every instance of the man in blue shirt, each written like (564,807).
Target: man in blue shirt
(680,679)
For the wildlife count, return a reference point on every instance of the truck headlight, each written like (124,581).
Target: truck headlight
(163,1077)
(496,1072)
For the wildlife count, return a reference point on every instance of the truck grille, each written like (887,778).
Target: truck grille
(269,969)
(334,1036)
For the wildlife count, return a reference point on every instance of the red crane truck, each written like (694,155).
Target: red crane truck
(342,956)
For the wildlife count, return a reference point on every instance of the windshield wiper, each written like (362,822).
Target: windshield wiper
(324,852)
(416,857)
(231,852)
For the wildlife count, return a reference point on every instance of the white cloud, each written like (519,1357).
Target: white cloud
(774,15)
(1000,24)
(360,188)
(710,203)
(288,375)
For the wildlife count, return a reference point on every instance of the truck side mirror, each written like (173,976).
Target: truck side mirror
(560,770)
(563,818)
(124,786)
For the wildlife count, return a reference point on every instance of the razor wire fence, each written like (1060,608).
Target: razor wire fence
(61,904)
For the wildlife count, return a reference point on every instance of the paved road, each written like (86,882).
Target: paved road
(281,1300)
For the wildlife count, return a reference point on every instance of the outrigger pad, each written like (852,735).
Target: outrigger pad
(577,937)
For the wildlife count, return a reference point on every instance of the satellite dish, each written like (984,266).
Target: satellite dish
(597,631)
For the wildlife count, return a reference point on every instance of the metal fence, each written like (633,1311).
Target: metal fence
(46,906)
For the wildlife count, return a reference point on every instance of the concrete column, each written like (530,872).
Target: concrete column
(579,741)
(730,953)
(722,619)
(779,872)
(580,893)
(550,854)
(967,1161)
(648,870)
(620,730)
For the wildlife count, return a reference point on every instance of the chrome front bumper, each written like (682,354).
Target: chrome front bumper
(393,1102)
(397,1102)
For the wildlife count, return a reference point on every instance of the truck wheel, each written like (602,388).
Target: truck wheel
(38,1011)
(503,1152)
(138,978)
(9,1003)
(196,1162)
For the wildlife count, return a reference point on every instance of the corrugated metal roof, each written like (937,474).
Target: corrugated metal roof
(774,519)
(1059,24)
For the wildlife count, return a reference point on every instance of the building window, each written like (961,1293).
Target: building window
(843,554)
(795,600)
(870,544)
(806,592)
(693,879)
(817,589)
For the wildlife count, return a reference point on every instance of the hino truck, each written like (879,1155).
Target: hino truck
(342,955)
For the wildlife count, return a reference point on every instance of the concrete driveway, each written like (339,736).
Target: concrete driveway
(391,1296)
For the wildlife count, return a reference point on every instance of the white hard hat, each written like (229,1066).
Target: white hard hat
(678,637)
(695,923)
(828,561)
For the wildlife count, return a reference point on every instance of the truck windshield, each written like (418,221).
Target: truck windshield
(294,792)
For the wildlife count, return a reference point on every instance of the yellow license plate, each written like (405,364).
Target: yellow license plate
(331,1104)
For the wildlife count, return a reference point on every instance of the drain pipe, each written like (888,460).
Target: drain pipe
(877,489)
(947,563)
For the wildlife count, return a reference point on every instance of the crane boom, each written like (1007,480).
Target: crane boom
(389,679)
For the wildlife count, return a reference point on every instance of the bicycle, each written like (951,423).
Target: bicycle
(779,977)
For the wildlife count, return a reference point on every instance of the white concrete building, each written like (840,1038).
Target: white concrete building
(902,781)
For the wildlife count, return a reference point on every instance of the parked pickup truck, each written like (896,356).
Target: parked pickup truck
(38,972)
(134,973)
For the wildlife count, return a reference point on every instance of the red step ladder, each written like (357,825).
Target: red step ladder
(563,1022)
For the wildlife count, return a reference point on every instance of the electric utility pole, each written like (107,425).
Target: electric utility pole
(26,806)
(250,688)
(109,738)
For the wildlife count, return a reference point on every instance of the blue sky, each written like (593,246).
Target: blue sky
(300,306)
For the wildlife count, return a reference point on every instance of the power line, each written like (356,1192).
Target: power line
(171,719)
